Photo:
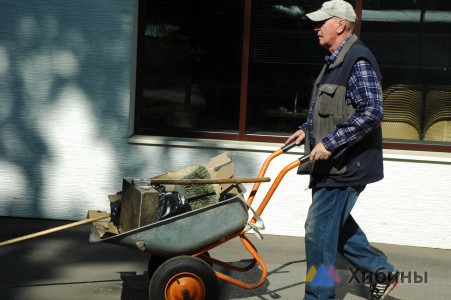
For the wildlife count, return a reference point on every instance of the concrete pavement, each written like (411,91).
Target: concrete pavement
(65,265)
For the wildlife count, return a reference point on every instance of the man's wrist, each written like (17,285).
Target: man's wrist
(329,146)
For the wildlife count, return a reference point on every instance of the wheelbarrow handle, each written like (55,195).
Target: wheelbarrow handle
(304,159)
(289,146)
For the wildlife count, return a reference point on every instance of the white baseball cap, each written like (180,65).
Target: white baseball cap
(334,8)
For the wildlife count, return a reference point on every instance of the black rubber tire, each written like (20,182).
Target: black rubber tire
(155,262)
(181,265)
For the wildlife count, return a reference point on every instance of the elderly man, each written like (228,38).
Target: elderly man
(344,139)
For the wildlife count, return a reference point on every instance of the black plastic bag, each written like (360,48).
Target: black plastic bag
(115,212)
(170,204)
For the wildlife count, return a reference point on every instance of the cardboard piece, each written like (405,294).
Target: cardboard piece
(103,226)
(219,167)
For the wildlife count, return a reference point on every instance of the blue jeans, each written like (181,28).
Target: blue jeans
(330,228)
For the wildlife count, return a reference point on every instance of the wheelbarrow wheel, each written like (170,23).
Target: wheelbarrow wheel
(184,278)
(155,262)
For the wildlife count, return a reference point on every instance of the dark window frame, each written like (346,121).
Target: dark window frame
(241,135)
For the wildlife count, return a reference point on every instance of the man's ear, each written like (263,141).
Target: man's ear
(341,26)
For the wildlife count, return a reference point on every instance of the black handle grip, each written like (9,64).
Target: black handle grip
(304,159)
(289,146)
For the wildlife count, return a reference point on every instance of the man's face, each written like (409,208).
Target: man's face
(327,32)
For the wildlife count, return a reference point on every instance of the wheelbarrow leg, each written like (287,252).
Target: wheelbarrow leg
(253,251)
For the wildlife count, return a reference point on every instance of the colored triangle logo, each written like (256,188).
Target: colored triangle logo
(322,278)
(310,275)
(333,275)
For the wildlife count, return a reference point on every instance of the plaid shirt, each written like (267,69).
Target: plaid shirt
(365,94)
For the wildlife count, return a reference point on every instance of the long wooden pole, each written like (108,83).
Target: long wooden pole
(33,235)
(200,181)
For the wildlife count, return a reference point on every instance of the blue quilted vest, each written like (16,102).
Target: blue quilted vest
(357,163)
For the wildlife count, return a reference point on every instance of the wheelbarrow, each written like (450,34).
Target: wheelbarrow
(180,266)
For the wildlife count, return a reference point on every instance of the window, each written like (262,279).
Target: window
(412,42)
(284,61)
(189,68)
(243,69)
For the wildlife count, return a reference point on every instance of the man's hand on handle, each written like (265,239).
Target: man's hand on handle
(298,136)
(318,153)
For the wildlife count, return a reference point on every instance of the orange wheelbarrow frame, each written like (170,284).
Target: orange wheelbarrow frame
(246,242)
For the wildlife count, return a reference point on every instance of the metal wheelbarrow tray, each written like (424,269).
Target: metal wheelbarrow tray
(185,233)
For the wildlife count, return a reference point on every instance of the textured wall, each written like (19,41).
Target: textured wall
(64,76)
(64,90)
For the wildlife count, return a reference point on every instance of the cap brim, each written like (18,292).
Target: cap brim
(318,15)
